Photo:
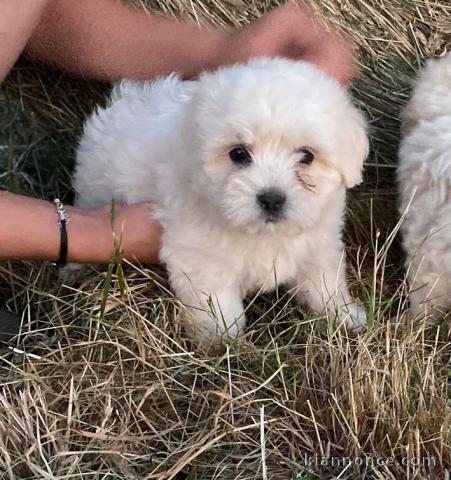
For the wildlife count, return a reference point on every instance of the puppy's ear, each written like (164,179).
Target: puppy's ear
(355,149)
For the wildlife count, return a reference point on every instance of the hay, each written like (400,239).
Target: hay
(125,395)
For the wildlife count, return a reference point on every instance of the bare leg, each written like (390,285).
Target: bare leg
(17,22)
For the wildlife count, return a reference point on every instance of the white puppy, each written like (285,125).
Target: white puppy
(425,182)
(249,167)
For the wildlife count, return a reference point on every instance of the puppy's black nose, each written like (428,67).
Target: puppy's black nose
(271,201)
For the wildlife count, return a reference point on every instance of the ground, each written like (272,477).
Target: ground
(103,382)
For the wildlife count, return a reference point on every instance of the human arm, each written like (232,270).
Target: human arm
(107,40)
(29,231)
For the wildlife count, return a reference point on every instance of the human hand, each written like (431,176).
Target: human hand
(293,31)
(90,232)
(95,234)
(136,231)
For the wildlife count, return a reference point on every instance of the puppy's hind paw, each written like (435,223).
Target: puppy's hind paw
(353,316)
(71,273)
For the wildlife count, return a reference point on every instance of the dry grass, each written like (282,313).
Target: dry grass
(122,393)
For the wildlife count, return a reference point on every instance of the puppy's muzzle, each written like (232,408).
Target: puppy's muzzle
(272,203)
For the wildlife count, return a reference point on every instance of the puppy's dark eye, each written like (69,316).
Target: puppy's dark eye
(240,155)
(307,156)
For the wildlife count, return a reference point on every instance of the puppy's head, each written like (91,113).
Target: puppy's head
(431,94)
(276,141)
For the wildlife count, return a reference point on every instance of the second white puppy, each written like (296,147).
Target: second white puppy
(425,183)
(248,167)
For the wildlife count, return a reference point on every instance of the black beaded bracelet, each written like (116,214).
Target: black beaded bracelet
(63,220)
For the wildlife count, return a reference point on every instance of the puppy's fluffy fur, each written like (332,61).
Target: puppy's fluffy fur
(425,183)
(235,221)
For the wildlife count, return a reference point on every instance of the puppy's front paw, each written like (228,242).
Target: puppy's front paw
(354,317)
(211,314)
(207,330)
